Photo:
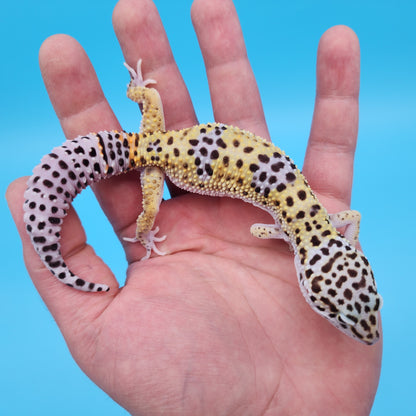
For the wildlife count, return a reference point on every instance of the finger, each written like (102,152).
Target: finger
(66,304)
(329,158)
(234,93)
(81,107)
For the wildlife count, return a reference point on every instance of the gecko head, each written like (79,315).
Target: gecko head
(337,281)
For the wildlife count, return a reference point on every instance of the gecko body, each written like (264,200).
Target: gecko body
(218,160)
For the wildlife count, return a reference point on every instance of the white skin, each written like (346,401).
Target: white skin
(219,326)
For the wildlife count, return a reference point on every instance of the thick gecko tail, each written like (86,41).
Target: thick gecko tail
(55,182)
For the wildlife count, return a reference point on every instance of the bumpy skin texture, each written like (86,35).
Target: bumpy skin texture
(218,160)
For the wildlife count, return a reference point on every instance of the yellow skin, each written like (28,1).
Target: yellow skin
(219,324)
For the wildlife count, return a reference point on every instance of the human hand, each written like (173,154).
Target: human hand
(219,326)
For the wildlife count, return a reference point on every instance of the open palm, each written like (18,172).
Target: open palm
(218,326)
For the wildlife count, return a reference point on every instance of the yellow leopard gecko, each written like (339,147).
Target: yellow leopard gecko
(218,160)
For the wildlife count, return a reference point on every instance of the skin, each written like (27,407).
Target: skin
(219,326)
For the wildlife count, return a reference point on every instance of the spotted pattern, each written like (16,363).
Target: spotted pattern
(60,176)
(218,160)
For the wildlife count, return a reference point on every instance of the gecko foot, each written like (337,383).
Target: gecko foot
(148,240)
(137,76)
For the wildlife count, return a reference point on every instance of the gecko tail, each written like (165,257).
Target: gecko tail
(60,176)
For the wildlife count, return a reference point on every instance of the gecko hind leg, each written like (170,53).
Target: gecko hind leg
(152,180)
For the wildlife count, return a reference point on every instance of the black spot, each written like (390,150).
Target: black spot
(309,273)
(80,282)
(263,176)
(203,151)
(341,281)
(333,241)
(365,261)
(300,215)
(176,151)
(194,142)
(39,240)
(290,176)
(248,149)
(315,241)
(208,169)
(348,294)
(79,150)
(191,152)
(52,247)
(239,163)
(263,158)
(62,164)
(365,325)
(332,292)
(226,161)
(170,140)
(266,192)
(277,166)
(314,259)
(208,140)
(236,143)
(315,286)
(220,142)
(48,183)
(215,154)
(54,220)
(325,233)
(46,166)
(281,187)
(272,179)
(253,167)
(352,272)
(53,155)
(302,195)
(364,298)
(289,201)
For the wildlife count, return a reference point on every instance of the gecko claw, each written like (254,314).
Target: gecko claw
(137,76)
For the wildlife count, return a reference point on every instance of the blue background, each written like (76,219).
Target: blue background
(38,375)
